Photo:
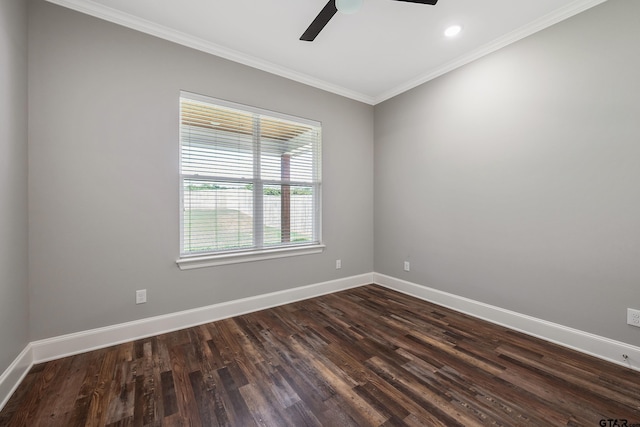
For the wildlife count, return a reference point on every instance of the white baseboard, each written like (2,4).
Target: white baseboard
(584,342)
(14,374)
(80,342)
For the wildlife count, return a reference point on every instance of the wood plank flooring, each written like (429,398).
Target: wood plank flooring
(362,357)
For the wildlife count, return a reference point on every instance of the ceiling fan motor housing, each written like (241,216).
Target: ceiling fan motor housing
(344,6)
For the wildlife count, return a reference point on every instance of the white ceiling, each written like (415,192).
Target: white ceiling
(384,49)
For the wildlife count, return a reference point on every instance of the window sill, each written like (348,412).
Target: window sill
(188,263)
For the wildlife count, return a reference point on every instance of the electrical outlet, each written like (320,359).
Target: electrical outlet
(338,264)
(633,317)
(141,296)
(407,266)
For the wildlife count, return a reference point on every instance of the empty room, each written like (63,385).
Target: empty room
(342,213)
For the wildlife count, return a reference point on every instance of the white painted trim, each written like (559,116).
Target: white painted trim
(507,39)
(80,342)
(188,263)
(14,374)
(130,21)
(584,342)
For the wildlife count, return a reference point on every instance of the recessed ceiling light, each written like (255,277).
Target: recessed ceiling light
(453,31)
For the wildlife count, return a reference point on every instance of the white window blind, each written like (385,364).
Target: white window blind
(250,178)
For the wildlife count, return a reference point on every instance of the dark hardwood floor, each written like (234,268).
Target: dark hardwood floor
(362,357)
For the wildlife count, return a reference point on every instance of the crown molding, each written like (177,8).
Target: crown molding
(540,24)
(115,16)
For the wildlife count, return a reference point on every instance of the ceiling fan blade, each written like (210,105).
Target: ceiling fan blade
(321,20)
(431,2)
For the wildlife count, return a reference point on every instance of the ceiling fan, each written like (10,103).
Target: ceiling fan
(344,6)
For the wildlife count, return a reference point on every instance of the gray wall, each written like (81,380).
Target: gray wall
(515,180)
(512,180)
(104,185)
(14,315)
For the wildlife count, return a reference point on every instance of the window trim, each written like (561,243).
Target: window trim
(187,261)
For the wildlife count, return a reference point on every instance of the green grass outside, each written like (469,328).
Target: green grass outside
(225,229)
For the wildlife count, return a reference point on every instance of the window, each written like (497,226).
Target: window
(250,182)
